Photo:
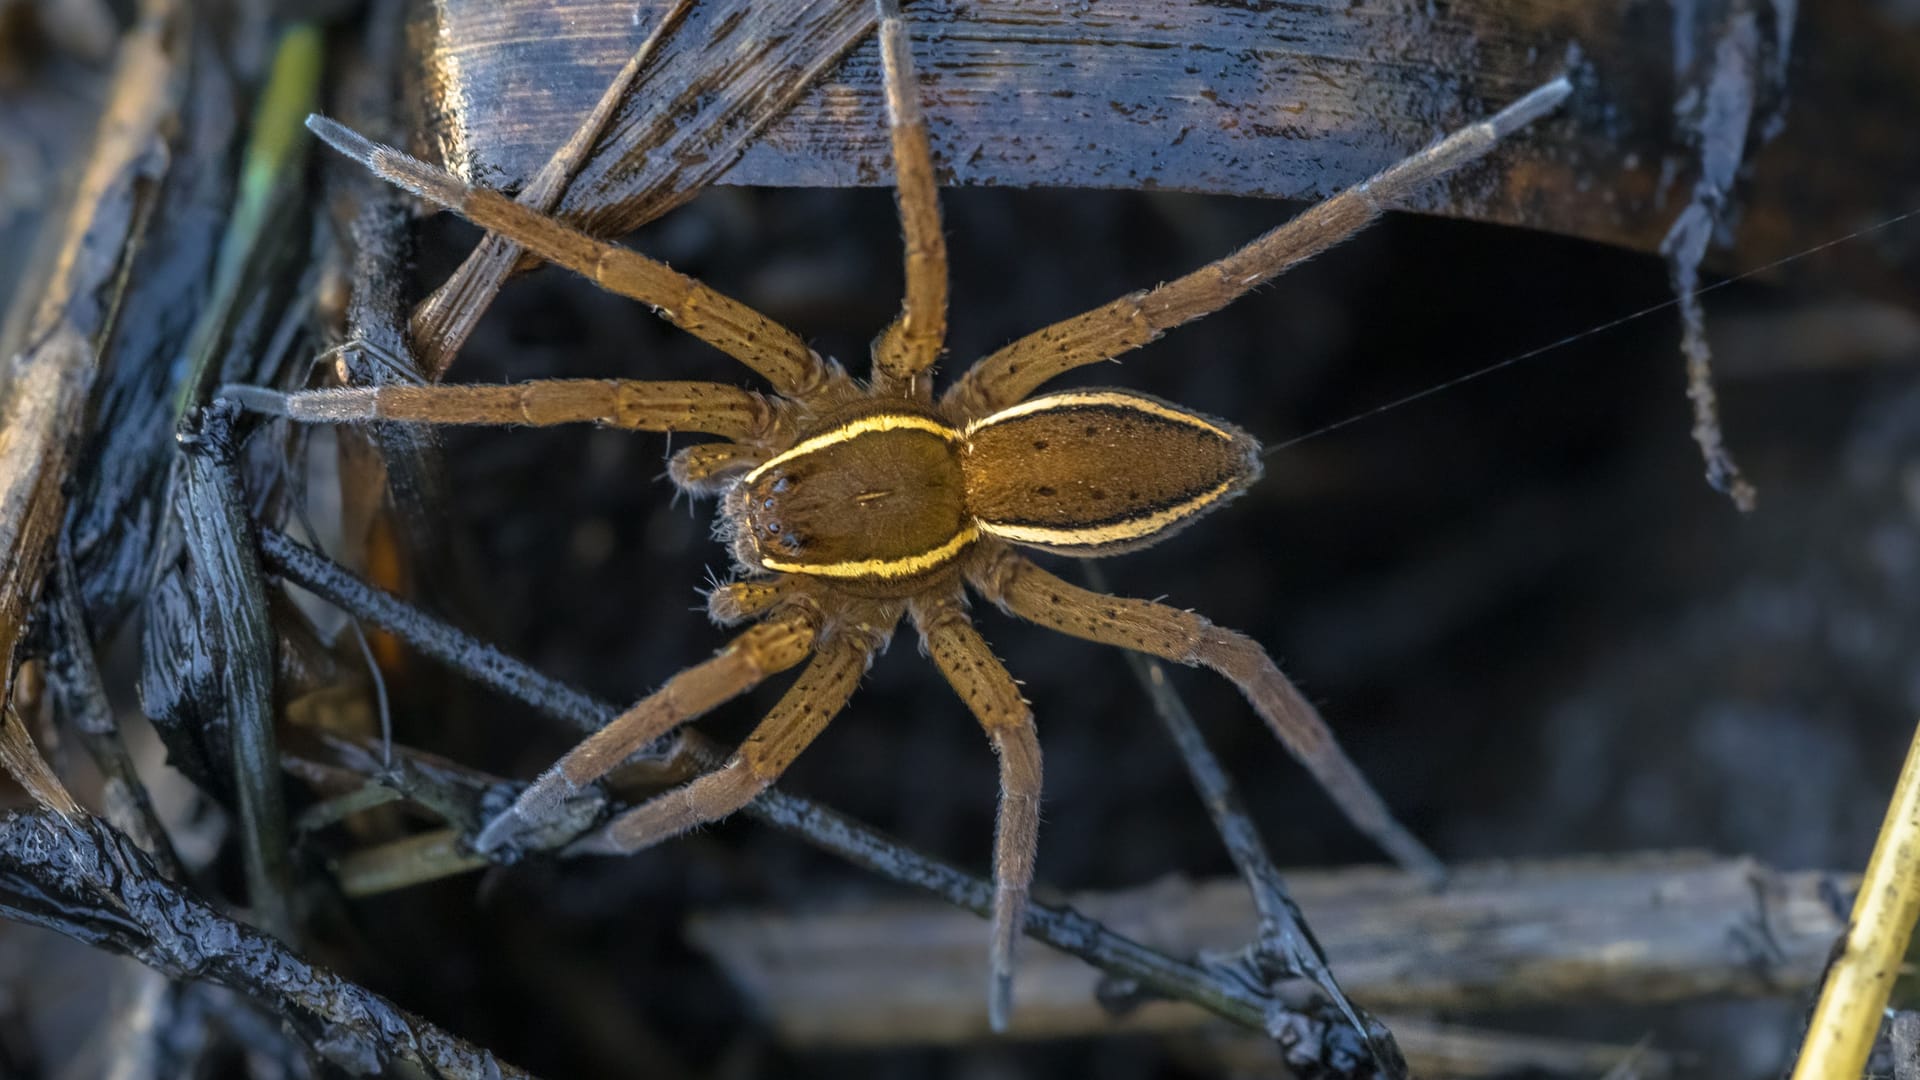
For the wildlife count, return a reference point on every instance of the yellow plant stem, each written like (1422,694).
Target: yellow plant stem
(1847,1019)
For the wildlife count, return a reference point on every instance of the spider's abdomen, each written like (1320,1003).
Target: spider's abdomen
(1100,471)
(875,498)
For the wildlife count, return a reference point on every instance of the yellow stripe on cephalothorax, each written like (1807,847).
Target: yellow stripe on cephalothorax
(1070,399)
(903,567)
(866,425)
(1113,532)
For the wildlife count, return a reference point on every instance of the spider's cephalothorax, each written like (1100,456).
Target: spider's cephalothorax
(850,506)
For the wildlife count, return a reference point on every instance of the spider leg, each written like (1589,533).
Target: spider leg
(774,351)
(968,663)
(712,408)
(814,699)
(1022,588)
(1009,375)
(766,649)
(905,352)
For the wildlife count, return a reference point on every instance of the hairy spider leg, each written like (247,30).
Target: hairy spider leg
(762,651)
(704,407)
(982,681)
(1005,377)
(815,698)
(1021,588)
(905,352)
(777,353)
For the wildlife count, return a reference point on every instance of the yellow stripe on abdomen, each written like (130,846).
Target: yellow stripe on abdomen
(1117,399)
(1111,533)
(1095,471)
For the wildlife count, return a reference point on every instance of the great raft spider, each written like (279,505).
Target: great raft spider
(849,505)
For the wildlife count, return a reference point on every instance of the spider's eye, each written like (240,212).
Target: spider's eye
(773,526)
(783,482)
(766,504)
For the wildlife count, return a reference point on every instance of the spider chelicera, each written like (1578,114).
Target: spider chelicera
(850,505)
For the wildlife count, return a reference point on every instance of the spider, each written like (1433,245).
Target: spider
(851,505)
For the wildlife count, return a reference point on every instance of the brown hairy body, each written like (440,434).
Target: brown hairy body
(885,499)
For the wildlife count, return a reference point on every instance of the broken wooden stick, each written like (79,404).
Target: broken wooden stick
(1639,928)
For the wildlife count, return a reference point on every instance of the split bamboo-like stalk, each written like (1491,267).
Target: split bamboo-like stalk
(1640,928)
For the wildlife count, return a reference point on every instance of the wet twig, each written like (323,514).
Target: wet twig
(79,877)
(1218,992)
(74,678)
(1285,947)
(213,515)
(1725,103)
